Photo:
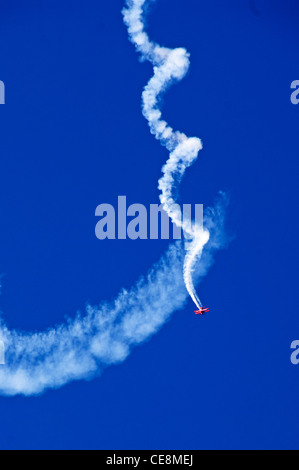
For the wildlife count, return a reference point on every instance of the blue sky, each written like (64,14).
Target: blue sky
(72,137)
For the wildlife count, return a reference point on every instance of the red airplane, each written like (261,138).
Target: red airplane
(202,311)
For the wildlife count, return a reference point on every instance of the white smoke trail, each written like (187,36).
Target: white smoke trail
(169,65)
(83,347)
